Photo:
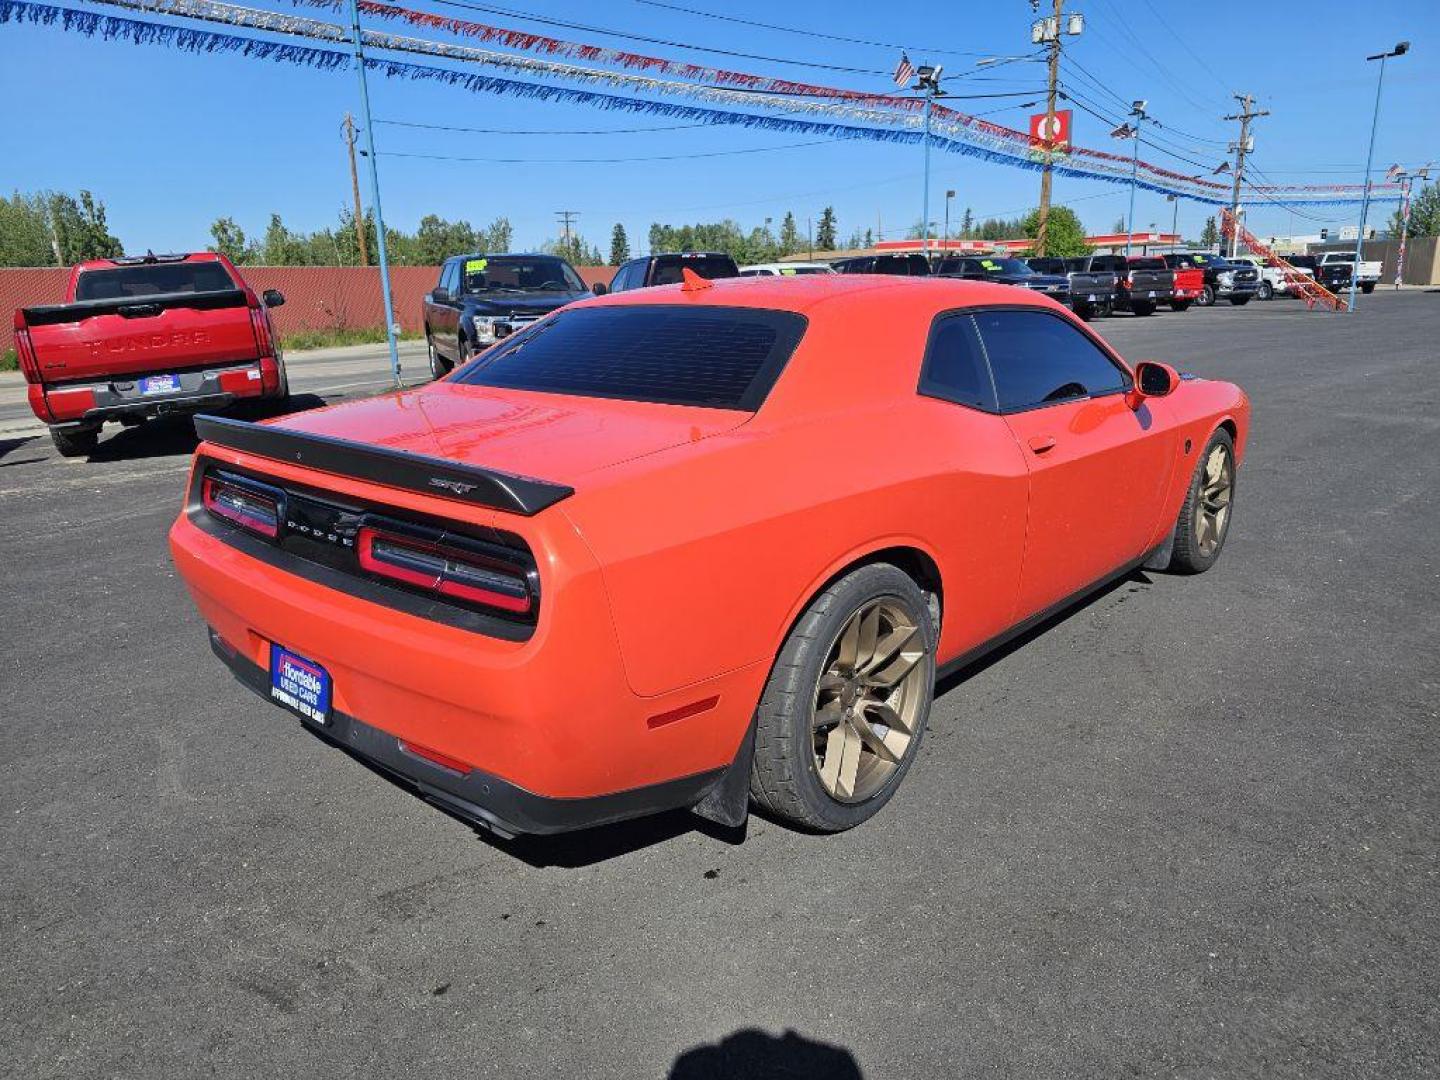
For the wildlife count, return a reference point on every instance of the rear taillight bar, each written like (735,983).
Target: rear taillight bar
(25,349)
(253,507)
(260,327)
(444,568)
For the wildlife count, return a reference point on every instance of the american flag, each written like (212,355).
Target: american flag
(904,71)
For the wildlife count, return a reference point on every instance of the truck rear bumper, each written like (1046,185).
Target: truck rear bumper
(478,797)
(80,405)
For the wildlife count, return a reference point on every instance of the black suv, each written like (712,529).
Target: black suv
(665,269)
(900,265)
(1224,280)
(480,299)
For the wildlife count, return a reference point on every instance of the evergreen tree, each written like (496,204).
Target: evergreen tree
(789,235)
(967,224)
(25,232)
(619,245)
(498,236)
(1424,213)
(80,229)
(1209,235)
(825,232)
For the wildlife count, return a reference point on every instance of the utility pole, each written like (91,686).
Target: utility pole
(1048,32)
(349,129)
(1241,148)
(385,294)
(566,216)
(1406,178)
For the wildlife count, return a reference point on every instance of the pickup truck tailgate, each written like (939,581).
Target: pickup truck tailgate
(103,339)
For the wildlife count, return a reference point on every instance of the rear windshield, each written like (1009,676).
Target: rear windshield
(712,357)
(1147,264)
(1101,263)
(667,267)
(152,279)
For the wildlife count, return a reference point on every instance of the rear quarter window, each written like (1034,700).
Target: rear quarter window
(152,279)
(710,357)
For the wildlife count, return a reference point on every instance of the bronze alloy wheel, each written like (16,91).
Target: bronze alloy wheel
(869,700)
(1212,508)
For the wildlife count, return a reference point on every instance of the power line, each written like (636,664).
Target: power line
(542,131)
(1100,86)
(803,32)
(589,29)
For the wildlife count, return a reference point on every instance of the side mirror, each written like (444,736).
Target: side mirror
(440,294)
(1152,379)
(599,288)
(272,298)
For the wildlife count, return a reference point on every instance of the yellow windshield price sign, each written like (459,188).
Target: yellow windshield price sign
(989,264)
(476,266)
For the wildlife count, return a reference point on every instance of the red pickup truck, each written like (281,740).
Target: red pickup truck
(147,336)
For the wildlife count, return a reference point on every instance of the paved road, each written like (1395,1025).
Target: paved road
(1187,831)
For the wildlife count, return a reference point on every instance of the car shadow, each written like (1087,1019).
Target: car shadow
(7,445)
(752,1054)
(171,436)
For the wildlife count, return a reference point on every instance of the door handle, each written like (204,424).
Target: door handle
(1042,444)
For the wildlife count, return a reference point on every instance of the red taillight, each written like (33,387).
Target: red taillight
(260,326)
(25,349)
(443,569)
(252,510)
(445,761)
(1125,283)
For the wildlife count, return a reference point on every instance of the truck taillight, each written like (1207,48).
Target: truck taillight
(260,325)
(252,510)
(441,568)
(1125,283)
(25,350)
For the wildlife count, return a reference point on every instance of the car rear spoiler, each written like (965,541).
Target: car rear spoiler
(134,306)
(394,468)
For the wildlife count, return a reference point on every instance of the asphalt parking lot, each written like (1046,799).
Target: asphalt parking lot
(1187,830)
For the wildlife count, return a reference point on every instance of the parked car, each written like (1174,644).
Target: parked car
(1334,276)
(1006,271)
(1224,280)
(523,590)
(1189,282)
(666,269)
(146,336)
(1274,280)
(786,269)
(915,265)
(481,299)
(1369,272)
(1138,290)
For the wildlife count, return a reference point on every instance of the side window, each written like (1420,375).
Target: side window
(1039,359)
(451,277)
(955,368)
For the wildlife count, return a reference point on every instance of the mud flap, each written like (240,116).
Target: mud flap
(728,802)
(1159,559)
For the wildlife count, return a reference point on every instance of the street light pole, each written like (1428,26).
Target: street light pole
(1400,50)
(375,194)
(1132,131)
(927,81)
(1407,178)
(945,243)
(1174,222)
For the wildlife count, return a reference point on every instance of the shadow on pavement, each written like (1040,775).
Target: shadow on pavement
(7,445)
(751,1054)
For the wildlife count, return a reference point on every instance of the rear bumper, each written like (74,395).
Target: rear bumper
(478,797)
(92,404)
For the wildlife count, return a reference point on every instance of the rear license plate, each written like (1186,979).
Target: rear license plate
(301,685)
(160,384)
(1091,297)
(1151,294)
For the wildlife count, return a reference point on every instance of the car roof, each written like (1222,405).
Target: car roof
(143,260)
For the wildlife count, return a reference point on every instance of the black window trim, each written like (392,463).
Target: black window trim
(1110,354)
(930,389)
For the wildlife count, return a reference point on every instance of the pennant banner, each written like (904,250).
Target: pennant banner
(959,138)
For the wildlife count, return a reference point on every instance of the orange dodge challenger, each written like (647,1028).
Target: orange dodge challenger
(695,545)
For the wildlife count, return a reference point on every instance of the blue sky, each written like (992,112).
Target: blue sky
(172,140)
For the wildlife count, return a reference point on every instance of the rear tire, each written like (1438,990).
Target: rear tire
(1204,521)
(1239,301)
(1368,287)
(1142,307)
(1180,305)
(73,443)
(841,718)
(1085,312)
(439,366)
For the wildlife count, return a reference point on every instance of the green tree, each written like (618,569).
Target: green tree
(498,236)
(1424,213)
(967,224)
(228,239)
(281,247)
(1064,235)
(437,239)
(1209,235)
(1119,226)
(825,231)
(80,228)
(619,245)
(25,232)
(789,235)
